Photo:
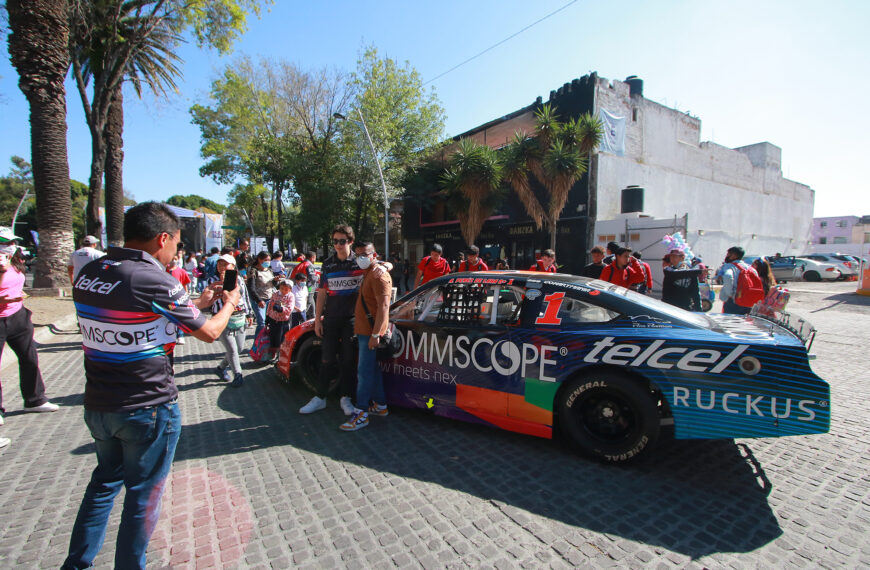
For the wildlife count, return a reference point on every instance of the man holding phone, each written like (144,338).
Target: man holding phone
(129,309)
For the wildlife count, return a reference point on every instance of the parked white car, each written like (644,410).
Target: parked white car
(845,264)
(812,270)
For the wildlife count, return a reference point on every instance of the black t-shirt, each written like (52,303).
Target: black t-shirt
(341,281)
(593,270)
(680,288)
(129,309)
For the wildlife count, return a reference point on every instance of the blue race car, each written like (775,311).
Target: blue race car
(608,368)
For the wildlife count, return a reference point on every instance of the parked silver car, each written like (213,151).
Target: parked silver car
(847,266)
(812,270)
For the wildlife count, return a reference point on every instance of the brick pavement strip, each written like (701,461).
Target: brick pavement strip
(256,485)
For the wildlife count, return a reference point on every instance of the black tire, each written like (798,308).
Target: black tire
(706,305)
(306,366)
(812,276)
(609,416)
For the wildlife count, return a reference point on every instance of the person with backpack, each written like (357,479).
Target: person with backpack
(646,287)
(741,285)
(472,260)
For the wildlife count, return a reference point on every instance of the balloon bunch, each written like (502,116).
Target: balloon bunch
(676,241)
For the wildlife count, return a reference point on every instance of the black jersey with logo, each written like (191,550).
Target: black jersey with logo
(129,309)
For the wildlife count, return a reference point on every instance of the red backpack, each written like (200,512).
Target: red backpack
(749,289)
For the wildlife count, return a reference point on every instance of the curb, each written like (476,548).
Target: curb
(41,335)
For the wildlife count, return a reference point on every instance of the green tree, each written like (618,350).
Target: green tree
(194,202)
(473,185)
(557,156)
(271,124)
(38,40)
(403,120)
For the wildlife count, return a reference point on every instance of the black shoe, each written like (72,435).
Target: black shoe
(237,381)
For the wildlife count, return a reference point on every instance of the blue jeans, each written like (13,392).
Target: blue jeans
(260,314)
(134,449)
(370,380)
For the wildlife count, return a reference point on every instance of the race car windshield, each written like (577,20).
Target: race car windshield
(688,317)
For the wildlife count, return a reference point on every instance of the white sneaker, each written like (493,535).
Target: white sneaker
(4,441)
(179,340)
(46,407)
(1,420)
(313,405)
(346,406)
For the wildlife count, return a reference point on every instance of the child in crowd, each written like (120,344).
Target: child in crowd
(278,264)
(300,300)
(278,312)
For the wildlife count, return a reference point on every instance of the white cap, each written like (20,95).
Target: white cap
(228,258)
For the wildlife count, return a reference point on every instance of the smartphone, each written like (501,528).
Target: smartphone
(230,278)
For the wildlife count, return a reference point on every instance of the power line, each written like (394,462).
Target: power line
(499,43)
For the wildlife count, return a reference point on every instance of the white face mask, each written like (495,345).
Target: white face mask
(364,262)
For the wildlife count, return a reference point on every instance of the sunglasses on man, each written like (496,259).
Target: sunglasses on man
(341,241)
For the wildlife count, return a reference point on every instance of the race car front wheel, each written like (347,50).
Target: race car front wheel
(609,416)
(308,363)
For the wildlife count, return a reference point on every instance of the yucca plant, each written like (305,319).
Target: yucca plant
(556,156)
(472,186)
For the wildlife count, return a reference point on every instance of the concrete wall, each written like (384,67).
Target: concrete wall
(731,196)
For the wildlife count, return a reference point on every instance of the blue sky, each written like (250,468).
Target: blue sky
(793,73)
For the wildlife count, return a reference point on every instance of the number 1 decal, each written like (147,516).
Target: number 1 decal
(554,303)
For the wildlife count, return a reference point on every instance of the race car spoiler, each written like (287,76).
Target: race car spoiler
(798,326)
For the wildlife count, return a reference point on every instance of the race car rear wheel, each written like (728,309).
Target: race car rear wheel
(609,416)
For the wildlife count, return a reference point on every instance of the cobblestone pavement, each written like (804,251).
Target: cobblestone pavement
(256,485)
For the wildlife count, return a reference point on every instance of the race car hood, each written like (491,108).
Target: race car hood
(760,329)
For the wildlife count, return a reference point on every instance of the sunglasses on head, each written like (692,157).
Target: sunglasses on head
(341,241)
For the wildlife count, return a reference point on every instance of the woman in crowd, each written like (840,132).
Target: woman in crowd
(762,267)
(16,329)
(233,337)
(261,287)
(278,313)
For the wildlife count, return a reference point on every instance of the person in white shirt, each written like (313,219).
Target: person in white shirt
(300,300)
(82,256)
(278,264)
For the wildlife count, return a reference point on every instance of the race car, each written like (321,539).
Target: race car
(605,367)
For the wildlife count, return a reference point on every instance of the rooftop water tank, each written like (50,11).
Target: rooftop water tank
(635,85)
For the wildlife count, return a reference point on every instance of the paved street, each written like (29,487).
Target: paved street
(257,485)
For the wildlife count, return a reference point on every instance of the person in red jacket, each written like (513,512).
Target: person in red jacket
(625,269)
(647,284)
(431,266)
(472,260)
(546,263)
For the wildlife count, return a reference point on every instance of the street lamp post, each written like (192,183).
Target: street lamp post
(383,184)
(18,209)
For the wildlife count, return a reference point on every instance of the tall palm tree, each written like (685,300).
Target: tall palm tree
(106,38)
(472,182)
(153,66)
(38,50)
(556,156)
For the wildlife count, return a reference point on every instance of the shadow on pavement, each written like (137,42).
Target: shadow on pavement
(679,500)
(850,299)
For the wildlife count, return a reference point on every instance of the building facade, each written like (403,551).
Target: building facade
(651,165)
(845,234)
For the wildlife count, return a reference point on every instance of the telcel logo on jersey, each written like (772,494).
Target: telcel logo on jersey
(699,360)
(95,285)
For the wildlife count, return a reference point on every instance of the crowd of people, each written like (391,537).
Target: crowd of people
(127,388)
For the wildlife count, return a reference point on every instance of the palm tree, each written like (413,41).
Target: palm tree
(472,182)
(38,50)
(151,66)
(557,156)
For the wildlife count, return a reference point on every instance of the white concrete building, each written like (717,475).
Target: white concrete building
(729,196)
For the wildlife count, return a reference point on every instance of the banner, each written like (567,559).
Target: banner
(613,137)
(214,235)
